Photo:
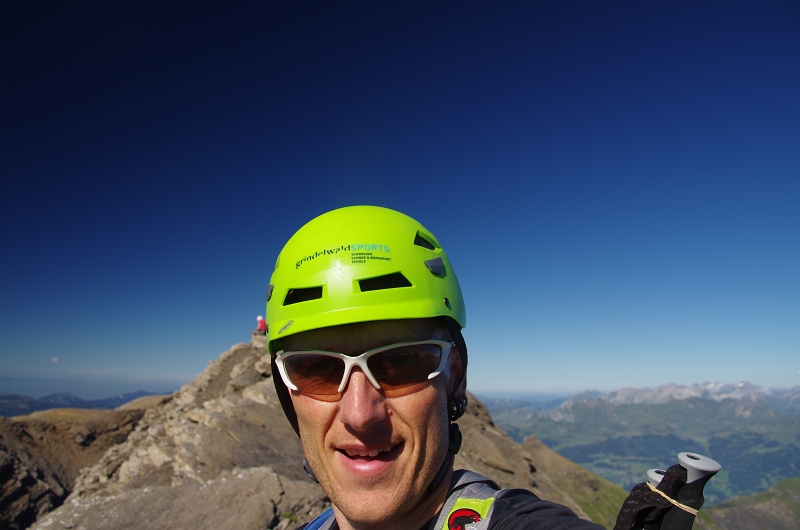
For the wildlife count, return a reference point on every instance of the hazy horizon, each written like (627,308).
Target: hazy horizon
(93,389)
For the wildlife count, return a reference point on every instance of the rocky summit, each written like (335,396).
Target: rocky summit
(220,454)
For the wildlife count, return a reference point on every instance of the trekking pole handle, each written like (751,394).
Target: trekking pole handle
(698,466)
(654,476)
(699,470)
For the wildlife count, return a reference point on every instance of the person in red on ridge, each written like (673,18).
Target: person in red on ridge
(262,325)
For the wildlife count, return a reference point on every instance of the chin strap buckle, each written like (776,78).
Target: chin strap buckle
(455,439)
(308,471)
(458,406)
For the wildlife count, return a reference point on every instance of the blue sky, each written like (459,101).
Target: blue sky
(616,183)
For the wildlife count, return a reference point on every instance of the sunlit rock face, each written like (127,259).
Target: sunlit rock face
(220,454)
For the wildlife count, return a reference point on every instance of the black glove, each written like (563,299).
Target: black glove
(644,509)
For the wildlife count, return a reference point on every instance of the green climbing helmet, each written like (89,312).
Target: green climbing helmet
(358,264)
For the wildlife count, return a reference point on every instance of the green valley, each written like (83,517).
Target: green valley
(756,445)
(777,509)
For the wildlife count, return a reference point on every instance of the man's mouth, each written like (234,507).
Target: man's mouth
(364,455)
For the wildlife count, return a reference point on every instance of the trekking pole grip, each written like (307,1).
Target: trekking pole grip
(699,470)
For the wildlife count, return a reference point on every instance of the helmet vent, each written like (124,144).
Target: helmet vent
(295,296)
(422,242)
(436,266)
(390,281)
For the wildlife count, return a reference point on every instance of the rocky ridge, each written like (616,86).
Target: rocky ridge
(218,454)
(597,496)
(221,454)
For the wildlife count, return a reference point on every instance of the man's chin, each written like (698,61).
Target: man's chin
(377,501)
(369,499)
(374,509)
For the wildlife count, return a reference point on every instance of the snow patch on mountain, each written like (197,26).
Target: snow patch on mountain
(785,399)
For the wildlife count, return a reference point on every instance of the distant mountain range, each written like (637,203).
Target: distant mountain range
(16,405)
(786,400)
(753,431)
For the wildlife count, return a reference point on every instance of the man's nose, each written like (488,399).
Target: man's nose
(362,405)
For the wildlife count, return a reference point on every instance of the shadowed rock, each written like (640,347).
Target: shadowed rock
(42,454)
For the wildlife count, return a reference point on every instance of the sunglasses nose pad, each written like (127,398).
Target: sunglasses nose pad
(345,377)
(371,378)
(348,370)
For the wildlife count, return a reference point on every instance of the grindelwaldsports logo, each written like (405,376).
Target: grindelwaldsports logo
(285,327)
(462,519)
(359,253)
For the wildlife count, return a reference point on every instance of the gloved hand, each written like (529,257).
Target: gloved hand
(645,509)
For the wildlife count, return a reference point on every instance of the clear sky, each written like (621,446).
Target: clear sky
(616,183)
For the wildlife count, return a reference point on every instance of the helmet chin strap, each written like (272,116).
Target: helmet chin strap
(308,471)
(452,449)
(456,407)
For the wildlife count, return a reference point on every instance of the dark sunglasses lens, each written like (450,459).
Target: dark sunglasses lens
(405,365)
(315,374)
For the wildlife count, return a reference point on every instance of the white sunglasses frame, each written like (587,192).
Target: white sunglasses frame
(361,361)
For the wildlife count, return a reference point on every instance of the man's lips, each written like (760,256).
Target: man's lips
(364,454)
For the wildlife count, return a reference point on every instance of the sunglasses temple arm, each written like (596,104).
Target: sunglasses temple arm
(285,378)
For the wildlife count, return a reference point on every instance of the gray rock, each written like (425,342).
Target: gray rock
(220,454)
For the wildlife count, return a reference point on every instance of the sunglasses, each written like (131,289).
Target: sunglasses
(387,368)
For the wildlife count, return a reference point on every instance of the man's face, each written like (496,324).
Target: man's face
(374,455)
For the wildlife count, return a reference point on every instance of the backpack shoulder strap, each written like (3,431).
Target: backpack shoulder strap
(470,502)
(323,521)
